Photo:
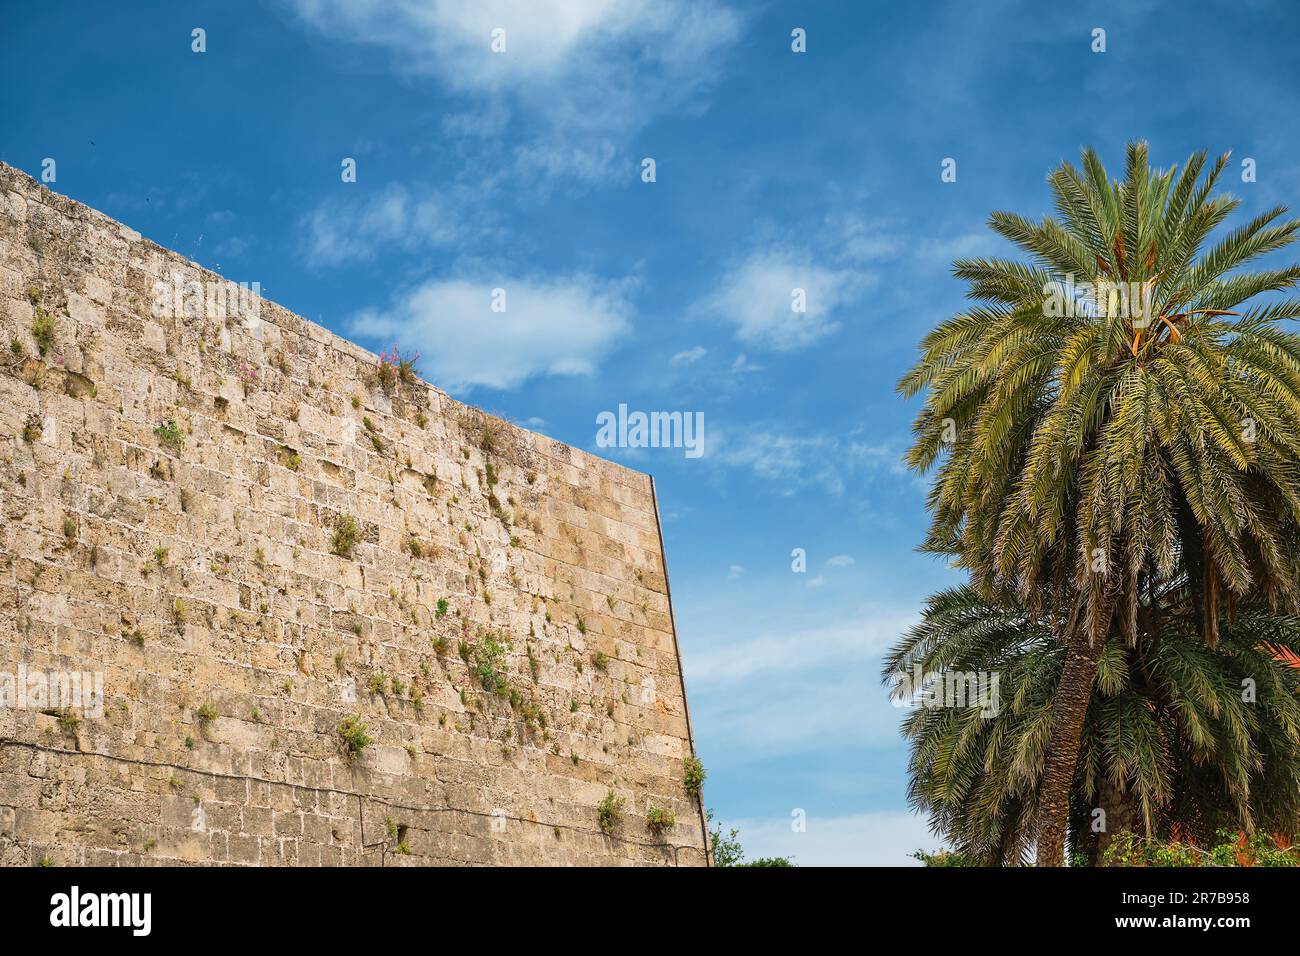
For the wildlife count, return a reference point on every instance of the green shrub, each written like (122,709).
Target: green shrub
(33,429)
(43,330)
(693,775)
(488,661)
(942,858)
(658,819)
(171,436)
(355,738)
(609,812)
(69,722)
(1233,849)
(347,534)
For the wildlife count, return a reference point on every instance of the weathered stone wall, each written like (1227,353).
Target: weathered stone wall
(195,570)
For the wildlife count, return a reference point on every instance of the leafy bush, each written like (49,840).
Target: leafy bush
(942,858)
(171,436)
(1233,849)
(33,429)
(43,331)
(728,852)
(394,367)
(69,722)
(355,738)
(693,775)
(659,819)
(488,661)
(347,534)
(609,812)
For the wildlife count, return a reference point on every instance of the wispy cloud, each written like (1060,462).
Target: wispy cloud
(689,356)
(348,229)
(779,654)
(782,300)
(550,326)
(771,692)
(586,74)
(804,459)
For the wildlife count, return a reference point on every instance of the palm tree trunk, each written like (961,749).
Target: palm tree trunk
(1068,712)
(1122,814)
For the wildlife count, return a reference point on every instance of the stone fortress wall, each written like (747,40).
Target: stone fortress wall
(178,495)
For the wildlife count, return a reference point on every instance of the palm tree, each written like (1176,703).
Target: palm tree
(1171,747)
(1114,419)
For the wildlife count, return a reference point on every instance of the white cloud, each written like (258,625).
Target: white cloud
(797,691)
(842,709)
(785,653)
(343,230)
(840,561)
(734,572)
(550,327)
(859,240)
(863,839)
(688,356)
(453,39)
(590,72)
(234,246)
(757,296)
(570,160)
(743,365)
(817,582)
(808,459)
(964,245)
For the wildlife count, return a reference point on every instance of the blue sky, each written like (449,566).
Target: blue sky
(774,169)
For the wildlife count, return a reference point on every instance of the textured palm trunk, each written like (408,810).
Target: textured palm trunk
(1122,814)
(1070,709)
